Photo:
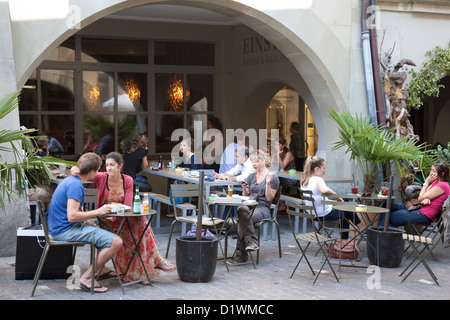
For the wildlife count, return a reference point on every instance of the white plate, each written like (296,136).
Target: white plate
(125,207)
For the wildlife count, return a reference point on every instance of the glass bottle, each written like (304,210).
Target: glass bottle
(137,202)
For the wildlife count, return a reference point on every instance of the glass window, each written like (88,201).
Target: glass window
(164,126)
(184,53)
(29,120)
(98,91)
(101,130)
(62,129)
(114,50)
(28,97)
(201,88)
(57,87)
(132,92)
(170,92)
(64,52)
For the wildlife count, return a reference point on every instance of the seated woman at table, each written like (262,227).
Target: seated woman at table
(188,158)
(115,187)
(135,159)
(264,185)
(432,196)
(285,160)
(313,173)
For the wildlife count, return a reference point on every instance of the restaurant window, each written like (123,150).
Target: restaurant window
(114,50)
(94,86)
(184,53)
(98,91)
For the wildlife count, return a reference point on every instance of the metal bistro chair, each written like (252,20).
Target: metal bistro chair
(423,246)
(49,242)
(188,190)
(430,230)
(308,212)
(272,219)
(232,222)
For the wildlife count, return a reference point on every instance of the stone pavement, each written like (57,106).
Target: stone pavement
(269,281)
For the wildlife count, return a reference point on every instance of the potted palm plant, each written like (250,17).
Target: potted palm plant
(374,149)
(13,180)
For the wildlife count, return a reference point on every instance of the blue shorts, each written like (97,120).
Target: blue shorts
(99,237)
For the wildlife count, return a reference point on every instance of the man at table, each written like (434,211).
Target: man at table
(242,170)
(68,222)
(228,159)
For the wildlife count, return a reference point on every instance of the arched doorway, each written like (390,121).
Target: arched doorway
(315,82)
(288,107)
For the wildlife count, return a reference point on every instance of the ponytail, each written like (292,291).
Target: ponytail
(308,169)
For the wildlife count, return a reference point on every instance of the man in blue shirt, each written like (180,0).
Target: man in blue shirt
(228,160)
(68,222)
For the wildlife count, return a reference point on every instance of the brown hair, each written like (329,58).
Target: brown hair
(89,161)
(311,163)
(117,157)
(442,170)
(139,140)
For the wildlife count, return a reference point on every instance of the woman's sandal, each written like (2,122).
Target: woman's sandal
(165,266)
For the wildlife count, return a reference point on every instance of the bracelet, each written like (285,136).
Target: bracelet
(425,185)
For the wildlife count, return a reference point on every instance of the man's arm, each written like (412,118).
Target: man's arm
(74,214)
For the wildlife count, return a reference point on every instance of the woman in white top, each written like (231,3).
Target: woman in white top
(313,172)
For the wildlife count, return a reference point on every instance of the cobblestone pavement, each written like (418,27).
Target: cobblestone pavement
(269,281)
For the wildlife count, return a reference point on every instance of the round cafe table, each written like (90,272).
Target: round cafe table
(128,214)
(352,207)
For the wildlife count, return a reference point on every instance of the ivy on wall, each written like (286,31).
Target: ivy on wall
(426,81)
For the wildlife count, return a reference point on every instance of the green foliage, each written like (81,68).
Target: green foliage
(426,81)
(13,180)
(373,147)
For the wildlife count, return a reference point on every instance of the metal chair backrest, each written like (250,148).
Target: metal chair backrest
(184,190)
(42,215)
(276,202)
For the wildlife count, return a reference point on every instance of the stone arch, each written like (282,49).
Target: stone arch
(321,70)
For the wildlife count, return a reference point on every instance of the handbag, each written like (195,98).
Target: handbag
(344,250)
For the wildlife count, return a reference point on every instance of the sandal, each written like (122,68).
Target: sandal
(237,260)
(165,266)
(107,275)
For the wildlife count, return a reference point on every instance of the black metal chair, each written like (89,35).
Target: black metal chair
(50,242)
(313,237)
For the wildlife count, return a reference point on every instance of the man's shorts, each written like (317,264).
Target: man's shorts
(99,237)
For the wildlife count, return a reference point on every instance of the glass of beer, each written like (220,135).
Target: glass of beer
(230,190)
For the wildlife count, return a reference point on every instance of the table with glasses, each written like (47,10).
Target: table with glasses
(364,211)
(190,176)
(128,214)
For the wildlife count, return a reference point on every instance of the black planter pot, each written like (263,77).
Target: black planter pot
(385,249)
(196,260)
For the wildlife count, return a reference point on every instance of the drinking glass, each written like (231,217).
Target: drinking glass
(230,191)
(355,187)
(384,189)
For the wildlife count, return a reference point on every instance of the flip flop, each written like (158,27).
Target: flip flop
(107,275)
(170,268)
(84,287)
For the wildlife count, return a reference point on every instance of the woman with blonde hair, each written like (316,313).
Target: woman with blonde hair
(313,173)
(263,185)
(135,159)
